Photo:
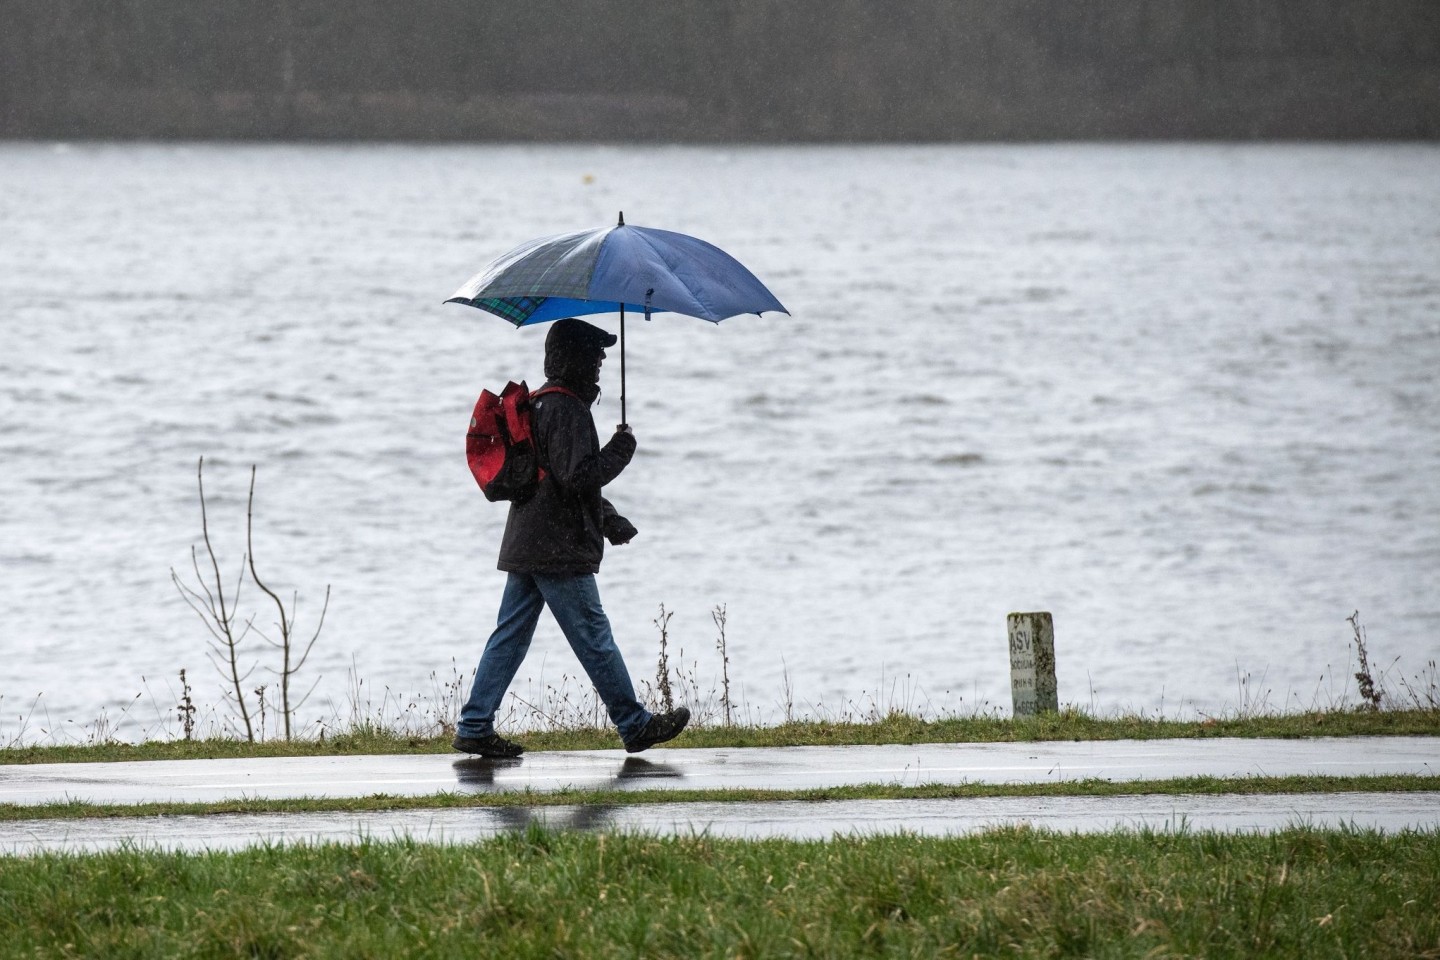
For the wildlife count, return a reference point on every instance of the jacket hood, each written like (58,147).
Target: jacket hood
(572,354)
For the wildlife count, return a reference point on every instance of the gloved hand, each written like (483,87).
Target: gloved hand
(618,530)
(623,441)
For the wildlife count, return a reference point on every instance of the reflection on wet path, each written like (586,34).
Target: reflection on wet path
(477,775)
(758,768)
(790,768)
(793,819)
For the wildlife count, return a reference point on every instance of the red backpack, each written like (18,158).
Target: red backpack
(499,445)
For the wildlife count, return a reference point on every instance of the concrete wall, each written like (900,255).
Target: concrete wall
(699,70)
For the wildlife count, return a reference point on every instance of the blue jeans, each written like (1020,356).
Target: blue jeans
(575,602)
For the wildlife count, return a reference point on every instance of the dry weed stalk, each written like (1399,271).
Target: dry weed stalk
(718,615)
(662,668)
(1370,692)
(1424,693)
(260,696)
(186,708)
(217,614)
(789,691)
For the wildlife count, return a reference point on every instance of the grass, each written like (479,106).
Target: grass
(1214,786)
(1012,892)
(894,728)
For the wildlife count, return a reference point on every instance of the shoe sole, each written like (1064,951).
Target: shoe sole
(490,754)
(493,756)
(639,748)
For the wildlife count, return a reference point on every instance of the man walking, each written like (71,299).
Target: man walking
(552,549)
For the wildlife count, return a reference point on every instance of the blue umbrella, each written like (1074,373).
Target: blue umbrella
(614,269)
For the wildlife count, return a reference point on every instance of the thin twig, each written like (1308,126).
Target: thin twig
(288,665)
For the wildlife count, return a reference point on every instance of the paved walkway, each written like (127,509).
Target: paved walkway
(795,819)
(782,768)
(788,768)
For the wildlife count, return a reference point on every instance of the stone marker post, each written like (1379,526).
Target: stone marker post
(1032,664)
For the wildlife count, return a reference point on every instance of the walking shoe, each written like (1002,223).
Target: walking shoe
(493,746)
(662,727)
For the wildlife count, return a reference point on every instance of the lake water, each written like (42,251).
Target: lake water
(1185,397)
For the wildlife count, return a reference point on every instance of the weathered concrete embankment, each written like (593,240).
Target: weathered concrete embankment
(697,70)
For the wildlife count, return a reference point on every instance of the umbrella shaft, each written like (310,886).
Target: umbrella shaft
(622,364)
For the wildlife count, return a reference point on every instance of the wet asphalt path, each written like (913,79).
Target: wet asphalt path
(792,819)
(790,768)
(784,768)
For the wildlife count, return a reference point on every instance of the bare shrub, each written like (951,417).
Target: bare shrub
(219,614)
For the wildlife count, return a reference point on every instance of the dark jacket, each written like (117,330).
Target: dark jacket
(560,530)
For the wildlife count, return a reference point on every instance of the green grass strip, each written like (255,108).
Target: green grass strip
(893,729)
(75,810)
(1014,892)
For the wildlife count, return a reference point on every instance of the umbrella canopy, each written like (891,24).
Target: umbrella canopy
(614,269)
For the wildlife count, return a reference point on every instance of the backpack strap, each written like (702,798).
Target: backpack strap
(544,390)
(540,393)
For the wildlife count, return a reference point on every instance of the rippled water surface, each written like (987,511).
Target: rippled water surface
(1184,397)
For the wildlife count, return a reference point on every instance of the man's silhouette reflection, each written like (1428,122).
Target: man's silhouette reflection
(477,775)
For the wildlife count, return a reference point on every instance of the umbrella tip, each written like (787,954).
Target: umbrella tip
(622,219)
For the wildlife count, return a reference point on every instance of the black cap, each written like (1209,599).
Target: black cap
(571,334)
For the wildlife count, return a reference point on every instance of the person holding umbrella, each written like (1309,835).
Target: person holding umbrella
(554,541)
(552,548)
